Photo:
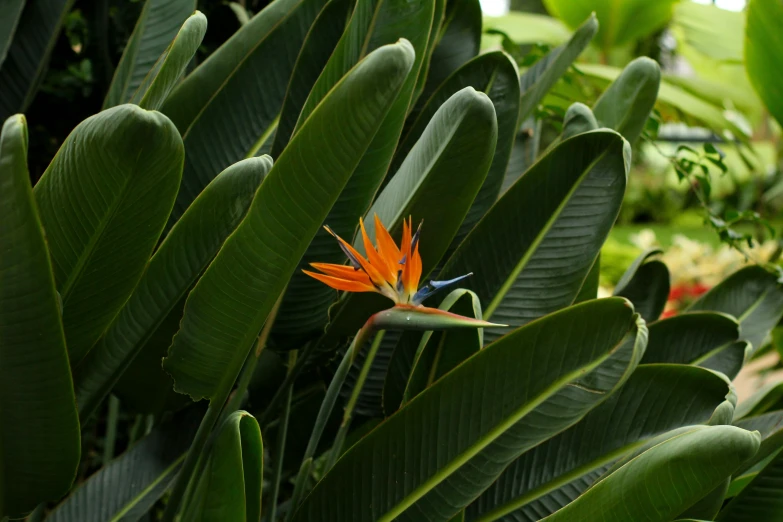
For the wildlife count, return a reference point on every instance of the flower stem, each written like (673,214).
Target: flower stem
(282,432)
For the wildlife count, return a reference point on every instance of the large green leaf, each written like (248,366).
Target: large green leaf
(539,79)
(528,28)
(158,24)
(372,23)
(770,426)
(127,487)
(578,119)
(496,74)
(558,215)
(427,462)
(622,21)
(629,100)
(769,397)
(228,306)
(227,109)
(438,354)
(104,201)
(657,398)
(666,479)
(753,296)
(706,339)
(646,284)
(764,54)
(28,54)
(171,65)
(39,429)
(172,271)
(318,46)
(457,41)
(230,486)
(761,499)
(12,12)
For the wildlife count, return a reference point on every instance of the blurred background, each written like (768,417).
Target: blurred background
(706,183)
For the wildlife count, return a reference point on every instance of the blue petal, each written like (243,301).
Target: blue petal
(434,287)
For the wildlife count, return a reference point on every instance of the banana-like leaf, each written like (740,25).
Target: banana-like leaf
(761,499)
(457,41)
(589,288)
(12,12)
(629,100)
(230,486)
(317,48)
(426,463)
(646,284)
(622,21)
(555,473)
(524,152)
(753,296)
(127,487)
(104,201)
(226,110)
(438,354)
(539,79)
(764,54)
(559,214)
(578,119)
(39,428)
(158,24)
(770,426)
(768,398)
(172,271)
(372,23)
(171,65)
(707,508)
(666,479)
(29,52)
(496,74)
(228,306)
(705,339)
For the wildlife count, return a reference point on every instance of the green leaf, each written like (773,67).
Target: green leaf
(171,65)
(373,23)
(770,397)
(230,486)
(578,119)
(761,499)
(528,28)
(158,24)
(591,283)
(539,79)
(422,463)
(496,74)
(770,426)
(753,296)
(181,258)
(234,95)
(28,55)
(128,486)
(666,479)
(12,12)
(104,201)
(629,100)
(228,306)
(646,285)
(696,338)
(559,214)
(764,54)
(556,472)
(457,41)
(39,428)
(316,50)
(438,354)
(622,22)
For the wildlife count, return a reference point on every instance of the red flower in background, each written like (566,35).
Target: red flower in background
(681,295)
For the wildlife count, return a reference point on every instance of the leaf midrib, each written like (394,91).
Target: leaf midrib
(501,294)
(475,448)
(140,496)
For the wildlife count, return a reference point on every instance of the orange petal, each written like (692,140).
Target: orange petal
(342,284)
(415,272)
(375,276)
(342,271)
(405,247)
(386,247)
(375,259)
